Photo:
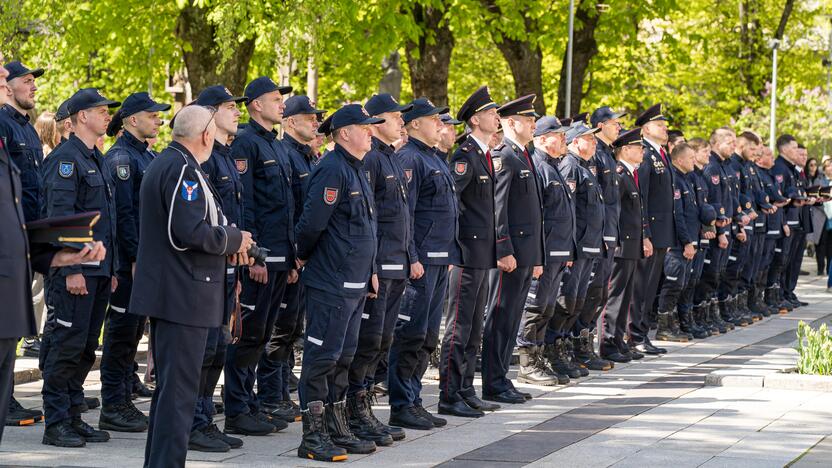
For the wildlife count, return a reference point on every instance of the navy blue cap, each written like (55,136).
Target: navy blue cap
(116,124)
(263,85)
(215,95)
(581,117)
(577,130)
(63,111)
(479,101)
(566,121)
(422,107)
(17,69)
(141,102)
(604,113)
(795,193)
(549,124)
(300,104)
(381,103)
(87,98)
(325,128)
(520,106)
(651,114)
(448,120)
(630,137)
(350,114)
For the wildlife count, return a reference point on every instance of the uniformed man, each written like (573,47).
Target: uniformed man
(337,248)
(598,291)
(223,176)
(559,249)
(393,264)
(677,262)
(518,206)
(786,171)
(300,127)
(656,187)
(126,161)
(77,180)
(632,229)
(433,246)
(23,146)
(184,240)
(447,135)
(268,208)
(777,235)
(63,121)
(804,228)
(576,168)
(468,291)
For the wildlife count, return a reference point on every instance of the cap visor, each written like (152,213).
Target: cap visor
(239,99)
(371,121)
(404,108)
(37,72)
(437,110)
(284,89)
(158,107)
(452,121)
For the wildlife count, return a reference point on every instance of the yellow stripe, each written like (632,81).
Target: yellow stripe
(74,239)
(483,107)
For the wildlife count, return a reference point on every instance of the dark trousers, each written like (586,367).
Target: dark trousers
(647,276)
(416,335)
(178,352)
(467,299)
(574,286)
(122,333)
(779,258)
(259,306)
(597,294)
(212,364)
(375,332)
(617,313)
(737,258)
(540,305)
(73,341)
(276,363)
(755,259)
(505,309)
(676,273)
(709,281)
(332,322)
(686,299)
(8,350)
(792,269)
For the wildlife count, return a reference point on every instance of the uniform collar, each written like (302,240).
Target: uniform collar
(655,146)
(181,149)
(514,143)
(383,147)
(601,144)
(131,140)
(81,147)
(305,150)
(220,148)
(419,145)
(22,119)
(540,155)
(482,145)
(629,166)
(269,135)
(352,160)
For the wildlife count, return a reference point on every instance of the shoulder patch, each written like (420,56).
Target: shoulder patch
(461,167)
(715,179)
(497,162)
(330,195)
(123,171)
(242,165)
(676,194)
(190,190)
(66,169)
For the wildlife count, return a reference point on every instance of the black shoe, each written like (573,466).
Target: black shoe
(284,410)
(554,354)
(19,416)
(459,408)
(62,434)
(647,348)
(410,418)
(475,402)
(89,433)
(339,431)
(219,407)
(437,422)
(137,412)
(362,425)
(120,418)
(90,403)
(141,390)
(396,433)
(213,431)
(635,355)
(247,424)
(586,355)
(31,347)
(199,441)
(616,356)
(293,382)
(527,396)
(569,353)
(316,443)
(278,423)
(508,396)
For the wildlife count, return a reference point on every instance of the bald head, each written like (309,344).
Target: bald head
(194,128)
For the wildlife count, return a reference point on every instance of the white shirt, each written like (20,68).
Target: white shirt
(655,146)
(629,166)
(482,145)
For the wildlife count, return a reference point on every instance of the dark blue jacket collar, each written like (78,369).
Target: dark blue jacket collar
(269,135)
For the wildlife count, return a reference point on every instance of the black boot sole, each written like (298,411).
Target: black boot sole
(303,453)
(195,448)
(57,443)
(104,426)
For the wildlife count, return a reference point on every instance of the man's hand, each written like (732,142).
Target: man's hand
(246,243)
(709,234)
(537,271)
(373,292)
(299,263)
(238,288)
(94,252)
(507,263)
(786,231)
(569,264)
(753,215)
(76,284)
(293,277)
(741,236)
(723,241)
(259,273)
(647,246)
(113,284)
(744,219)
(690,251)
(416,270)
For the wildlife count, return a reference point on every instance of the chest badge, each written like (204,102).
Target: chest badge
(190,190)
(66,168)
(715,179)
(676,195)
(779,178)
(123,172)
(571,184)
(461,168)
(330,195)
(497,163)
(242,165)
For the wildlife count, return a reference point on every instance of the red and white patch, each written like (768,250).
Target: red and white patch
(330,195)
(461,168)
(408,173)
(779,178)
(715,179)
(677,195)
(242,165)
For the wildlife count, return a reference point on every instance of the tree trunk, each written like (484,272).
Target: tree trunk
(391,78)
(311,78)
(584,48)
(784,19)
(430,59)
(526,64)
(203,58)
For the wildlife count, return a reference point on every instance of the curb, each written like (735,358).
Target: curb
(775,369)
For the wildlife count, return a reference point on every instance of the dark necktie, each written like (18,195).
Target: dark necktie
(526,154)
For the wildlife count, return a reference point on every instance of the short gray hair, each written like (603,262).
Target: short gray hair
(190,122)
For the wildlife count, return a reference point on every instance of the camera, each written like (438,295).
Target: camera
(259,254)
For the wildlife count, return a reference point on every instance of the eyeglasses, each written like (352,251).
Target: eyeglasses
(212,110)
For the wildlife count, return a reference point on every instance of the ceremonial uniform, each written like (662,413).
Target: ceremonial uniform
(760,201)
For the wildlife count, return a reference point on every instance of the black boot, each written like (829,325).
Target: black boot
(703,311)
(687,325)
(283,410)
(89,433)
(316,443)
(726,315)
(554,354)
(717,317)
(569,345)
(783,306)
(339,431)
(676,324)
(585,353)
(62,434)
(200,441)
(530,372)
(665,331)
(120,418)
(764,308)
(700,319)
(362,425)
(741,306)
(396,433)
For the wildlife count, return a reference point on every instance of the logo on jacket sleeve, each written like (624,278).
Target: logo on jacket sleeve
(66,168)
(190,190)
(242,165)
(461,168)
(330,195)
(715,179)
(123,172)
(408,173)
